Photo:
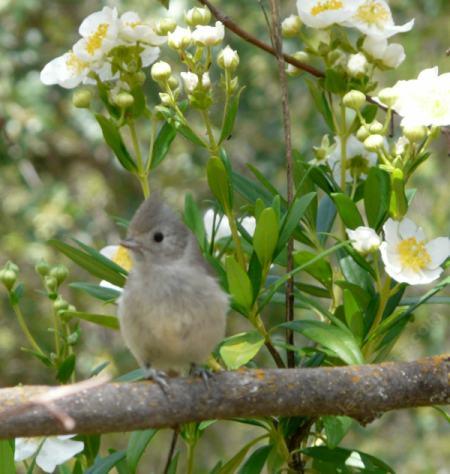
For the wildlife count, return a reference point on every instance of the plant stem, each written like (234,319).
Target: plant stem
(148,164)
(236,239)
(191,454)
(56,330)
(141,173)
(213,148)
(25,330)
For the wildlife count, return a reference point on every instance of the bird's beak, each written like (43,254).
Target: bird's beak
(131,244)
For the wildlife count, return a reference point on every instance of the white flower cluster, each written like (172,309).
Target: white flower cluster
(407,256)
(371,17)
(101,32)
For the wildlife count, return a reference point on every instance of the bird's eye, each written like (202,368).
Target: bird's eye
(158,236)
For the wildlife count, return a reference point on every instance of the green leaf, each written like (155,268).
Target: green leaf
(112,137)
(443,413)
(292,219)
(105,320)
(218,182)
(162,144)
(188,133)
(174,464)
(338,341)
(263,180)
(321,103)
(104,465)
(95,265)
(194,219)
(66,369)
(241,348)
(266,236)
(239,284)
(326,215)
(231,466)
(320,270)
(255,462)
(347,210)
(100,292)
(335,81)
(376,197)
(7,465)
(137,443)
(250,190)
(96,370)
(355,274)
(361,296)
(164,3)
(398,205)
(230,116)
(336,427)
(353,315)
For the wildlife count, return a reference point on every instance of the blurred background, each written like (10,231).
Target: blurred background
(58,179)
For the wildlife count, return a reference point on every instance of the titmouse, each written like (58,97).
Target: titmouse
(172,310)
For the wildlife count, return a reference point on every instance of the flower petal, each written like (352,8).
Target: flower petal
(26,447)
(439,250)
(57,451)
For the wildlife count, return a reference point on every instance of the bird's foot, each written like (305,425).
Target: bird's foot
(159,377)
(202,372)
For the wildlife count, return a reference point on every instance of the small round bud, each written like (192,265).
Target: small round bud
(161,71)
(364,239)
(51,283)
(139,78)
(190,81)
(374,142)
(354,99)
(73,338)
(376,127)
(362,133)
(165,98)
(173,82)
(42,268)
(59,272)
(165,26)
(415,133)
(301,56)
(290,27)
(388,96)
(124,100)
(82,98)
(228,59)
(357,64)
(197,16)
(8,278)
(60,304)
(180,38)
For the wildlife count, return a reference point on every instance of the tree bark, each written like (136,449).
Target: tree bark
(362,392)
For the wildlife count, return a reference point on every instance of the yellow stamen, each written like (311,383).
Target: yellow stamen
(326,5)
(413,254)
(95,41)
(75,63)
(373,13)
(122,258)
(133,24)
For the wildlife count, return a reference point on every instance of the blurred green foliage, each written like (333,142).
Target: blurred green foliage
(57,178)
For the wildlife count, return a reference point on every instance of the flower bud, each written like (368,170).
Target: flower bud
(180,38)
(51,283)
(82,98)
(73,338)
(139,78)
(357,64)
(60,304)
(123,100)
(374,142)
(190,81)
(364,239)
(165,26)
(415,133)
(161,71)
(354,100)
(290,27)
(376,127)
(173,82)
(301,56)
(59,272)
(165,98)
(8,278)
(388,96)
(197,16)
(42,268)
(228,59)
(362,133)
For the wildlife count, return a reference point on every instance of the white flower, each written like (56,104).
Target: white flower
(407,257)
(228,58)
(400,146)
(149,55)
(290,26)
(121,257)
(161,71)
(54,451)
(190,81)
(374,18)
(425,100)
(179,38)
(67,71)
(391,55)
(209,35)
(359,160)
(323,13)
(99,33)
(364,239)
(222,226)
(133,29)
(357,64)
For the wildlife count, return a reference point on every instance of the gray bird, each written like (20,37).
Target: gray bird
(172,310)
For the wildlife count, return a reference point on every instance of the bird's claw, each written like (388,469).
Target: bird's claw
(202,372)
(159,377)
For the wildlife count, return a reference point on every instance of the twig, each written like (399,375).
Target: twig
(362,392)
(171,449)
